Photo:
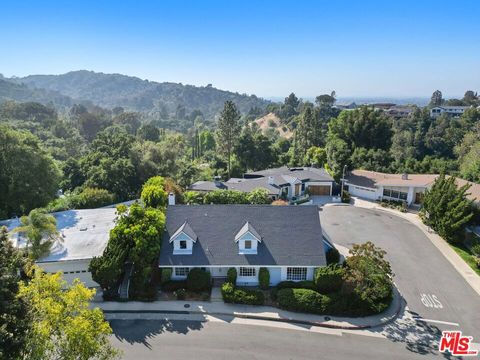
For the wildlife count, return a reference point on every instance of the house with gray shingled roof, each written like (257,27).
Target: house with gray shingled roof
(287,240)
(283,182)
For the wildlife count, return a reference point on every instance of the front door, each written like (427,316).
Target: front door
(218,272)
(418,198)
(297,189)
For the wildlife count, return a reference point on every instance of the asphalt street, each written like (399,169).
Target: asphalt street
(431,286)
(158,339)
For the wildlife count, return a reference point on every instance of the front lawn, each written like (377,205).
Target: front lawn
(467,256)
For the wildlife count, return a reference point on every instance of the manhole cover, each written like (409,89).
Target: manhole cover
(186,306)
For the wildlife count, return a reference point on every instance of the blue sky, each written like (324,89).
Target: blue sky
(270,48)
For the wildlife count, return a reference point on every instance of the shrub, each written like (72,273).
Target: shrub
(198,280)
(91,198)
(166,275)
(345,197)
(225,197)
(232,276)
(180,294)
(333,256)
(154,196)
(174,285)
(476,250)
(194,197)
(248,296)
(230,294)
(258,197)
(306,284)
(228,291)
(303,300)
(264,278)
(329,279)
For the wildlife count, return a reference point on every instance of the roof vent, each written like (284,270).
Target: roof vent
(83,228)
(270,180)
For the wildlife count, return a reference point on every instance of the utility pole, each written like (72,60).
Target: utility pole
(343,180)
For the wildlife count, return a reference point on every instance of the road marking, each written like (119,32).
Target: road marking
(417,318)
(431,301)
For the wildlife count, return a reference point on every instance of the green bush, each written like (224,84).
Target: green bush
(228,292)
(248,297)
(225,197)
(91,198)
(180,294)
(329,279)
(174,285)
(166,275)
(198,280)
(264,278)
(346,197)
(232,276)
(303,300)
(194,197)
(332,256)
(306,284)
(476,250)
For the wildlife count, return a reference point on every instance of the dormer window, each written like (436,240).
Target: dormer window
(248,239)
(183,240)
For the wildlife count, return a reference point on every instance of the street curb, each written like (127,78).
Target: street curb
(390,319)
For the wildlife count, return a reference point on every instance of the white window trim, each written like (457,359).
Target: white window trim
(251,272)
(297,273)
(184,271)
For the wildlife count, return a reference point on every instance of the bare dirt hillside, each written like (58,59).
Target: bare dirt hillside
(272,121)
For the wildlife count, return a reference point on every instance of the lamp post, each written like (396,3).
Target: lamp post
(343,180)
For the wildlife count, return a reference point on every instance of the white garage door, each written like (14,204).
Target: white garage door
(72,269)
(362,192)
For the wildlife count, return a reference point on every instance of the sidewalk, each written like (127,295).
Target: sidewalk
(463,268)
(219,308)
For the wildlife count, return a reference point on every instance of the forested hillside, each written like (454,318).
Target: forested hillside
(115,90)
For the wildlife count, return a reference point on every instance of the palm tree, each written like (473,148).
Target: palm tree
(40,230)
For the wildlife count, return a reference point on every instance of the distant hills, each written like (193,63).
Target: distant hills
(116,90)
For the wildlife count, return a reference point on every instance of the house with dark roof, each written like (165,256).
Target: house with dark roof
(283,182)
(287,240)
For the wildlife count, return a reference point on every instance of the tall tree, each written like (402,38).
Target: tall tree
(13,311)
(228,130)
(447,209)
(29,177)
(63,325)
(436,99)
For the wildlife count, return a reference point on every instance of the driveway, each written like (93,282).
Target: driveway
(431,286)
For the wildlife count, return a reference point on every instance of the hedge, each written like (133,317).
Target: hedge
(303,300)
(305,284)
(264,278)
(198,280)
(329,279)
(173,285)
(166,275)
(332,256)
(232,276)
(230,294)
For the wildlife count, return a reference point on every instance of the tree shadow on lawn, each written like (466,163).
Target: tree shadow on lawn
(419,337)
(140,331)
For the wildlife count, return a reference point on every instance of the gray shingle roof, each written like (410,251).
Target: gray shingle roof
(291,235)
(247,228)
(186,229)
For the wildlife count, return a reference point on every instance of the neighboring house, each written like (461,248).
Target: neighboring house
(455,111)
(282,182)
(374,185)
(285,239)
(83,235)
(400,111)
